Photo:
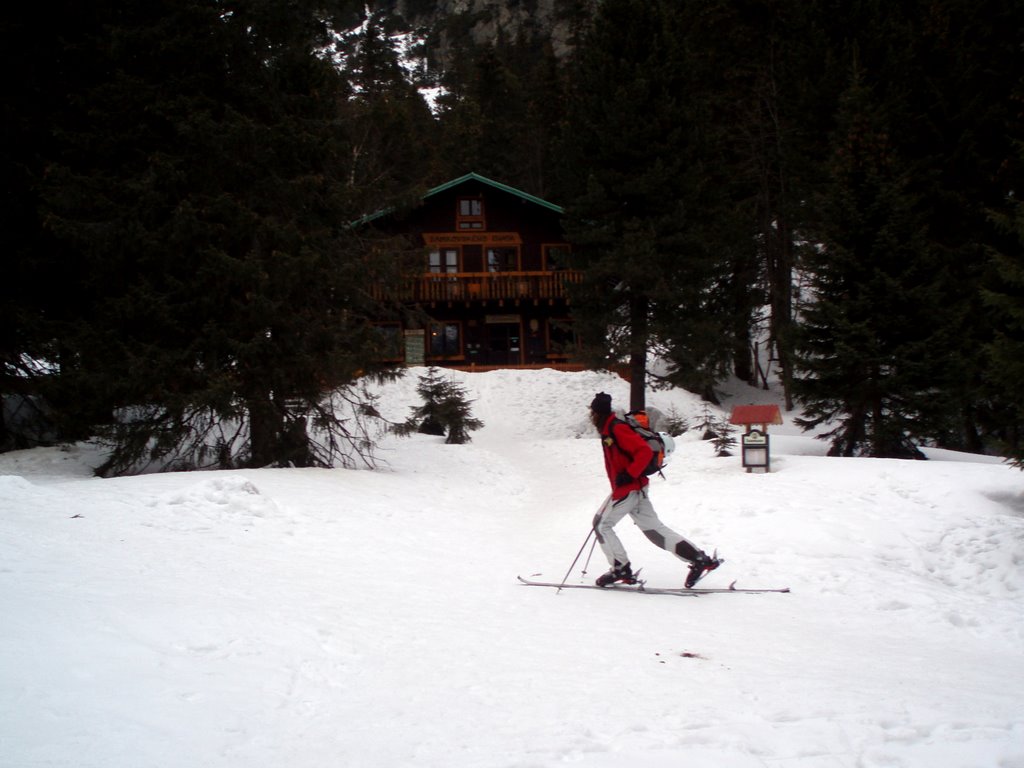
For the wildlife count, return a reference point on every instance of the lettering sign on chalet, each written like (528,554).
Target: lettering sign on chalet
(492,278)
(470,238)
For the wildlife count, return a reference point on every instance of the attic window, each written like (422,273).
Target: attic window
(470,214)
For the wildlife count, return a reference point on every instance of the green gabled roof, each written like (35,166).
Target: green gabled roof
(497,185)
(468,177)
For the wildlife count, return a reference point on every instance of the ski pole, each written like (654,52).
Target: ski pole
(589,534)
(586,565)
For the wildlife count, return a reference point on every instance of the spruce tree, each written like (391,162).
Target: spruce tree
(869,352)
(644,222)
(724,439)
(198,193)
(966,126)
(445,410)
(500,113)
(1005,369)
(391,135)
(947,76)
(759,67)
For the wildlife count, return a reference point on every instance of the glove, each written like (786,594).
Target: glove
(624,478)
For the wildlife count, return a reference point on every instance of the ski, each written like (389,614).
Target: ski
(641,587)
(733,588)
(638,587)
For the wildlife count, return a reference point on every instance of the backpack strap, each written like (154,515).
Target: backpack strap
(611,432)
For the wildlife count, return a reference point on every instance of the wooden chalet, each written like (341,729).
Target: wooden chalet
(493,279)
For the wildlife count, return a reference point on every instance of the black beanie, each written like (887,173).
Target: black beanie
(601,403)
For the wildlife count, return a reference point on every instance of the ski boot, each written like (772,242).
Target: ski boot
(700,567)
(621,574)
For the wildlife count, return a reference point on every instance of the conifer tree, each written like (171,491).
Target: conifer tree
(645,221)
(965,126)
(499,115)
(724,439)
(445,410)
(1006,351)
(758,65)
(869,352)
(391,135)
(950,119)
(197,193)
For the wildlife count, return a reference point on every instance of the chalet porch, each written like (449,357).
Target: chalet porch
(535,287)
(490,320)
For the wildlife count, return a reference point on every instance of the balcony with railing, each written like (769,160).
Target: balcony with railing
(487,286)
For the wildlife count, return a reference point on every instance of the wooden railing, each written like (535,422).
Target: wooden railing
(487,286)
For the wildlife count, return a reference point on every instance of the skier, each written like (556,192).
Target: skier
(626,454)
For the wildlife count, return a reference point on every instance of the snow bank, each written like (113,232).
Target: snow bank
(307,618)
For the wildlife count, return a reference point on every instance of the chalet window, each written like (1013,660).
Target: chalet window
(444,261)
(470,214)
(445,339)
(556,257)
(502,259)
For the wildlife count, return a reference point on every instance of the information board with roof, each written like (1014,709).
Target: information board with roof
(756,419)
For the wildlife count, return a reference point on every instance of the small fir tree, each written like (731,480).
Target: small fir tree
(676,423)
(434,390)
(445,410)
(724,439)
(457,416)
(707,424)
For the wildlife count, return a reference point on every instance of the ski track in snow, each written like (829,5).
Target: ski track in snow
(373,619)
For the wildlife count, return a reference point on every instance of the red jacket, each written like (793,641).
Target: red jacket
(626,452)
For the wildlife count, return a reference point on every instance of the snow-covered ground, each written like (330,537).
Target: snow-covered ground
(372,619)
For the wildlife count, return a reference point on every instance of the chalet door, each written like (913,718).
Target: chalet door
(504,344)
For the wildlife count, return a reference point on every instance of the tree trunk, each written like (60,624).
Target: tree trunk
(277,437)
(638,308)
(266,425)
(780,280)
(776,229)
(742,358)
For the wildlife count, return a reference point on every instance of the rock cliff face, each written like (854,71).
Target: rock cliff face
(483,21)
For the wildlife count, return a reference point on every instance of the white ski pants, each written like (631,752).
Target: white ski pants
(638,507)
